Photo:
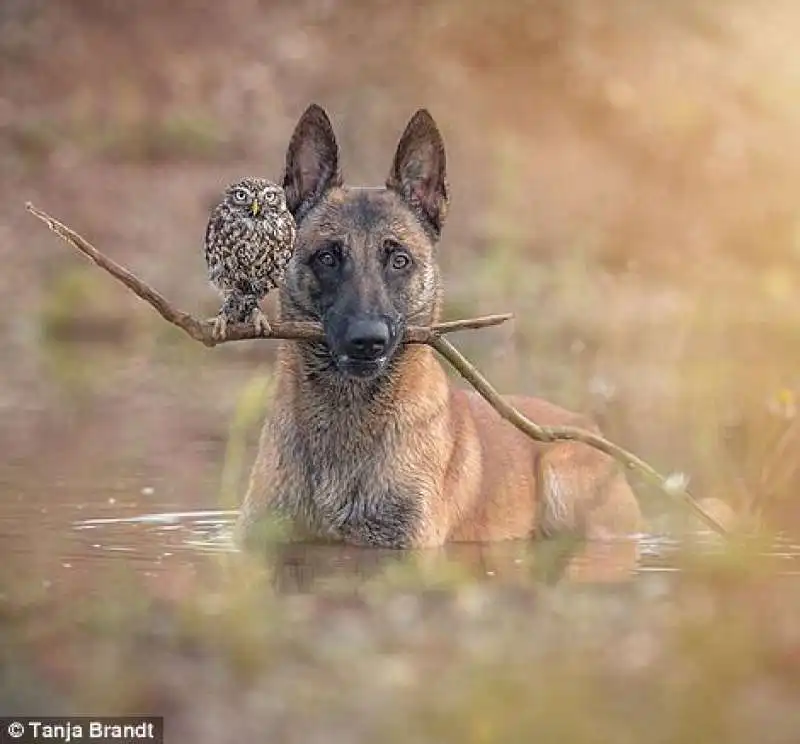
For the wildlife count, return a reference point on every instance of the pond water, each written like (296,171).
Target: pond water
(608,625)
(66,531)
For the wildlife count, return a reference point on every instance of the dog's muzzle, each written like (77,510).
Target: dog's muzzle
(366,346)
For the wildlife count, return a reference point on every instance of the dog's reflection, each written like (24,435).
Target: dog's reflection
(310,567)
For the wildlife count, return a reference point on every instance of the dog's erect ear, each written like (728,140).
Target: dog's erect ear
(419,171)
(312,161)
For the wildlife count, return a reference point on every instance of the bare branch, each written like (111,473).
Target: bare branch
(565,433)
(201,330)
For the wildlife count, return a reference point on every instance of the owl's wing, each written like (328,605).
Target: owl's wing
(285,231)
(213,249)
(210,237)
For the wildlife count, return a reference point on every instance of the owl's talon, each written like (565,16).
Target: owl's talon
(220,327)
(261,323)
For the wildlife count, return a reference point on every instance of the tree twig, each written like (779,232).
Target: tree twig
(201,330)
(565,433)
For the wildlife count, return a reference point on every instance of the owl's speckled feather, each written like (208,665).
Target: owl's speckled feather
(249,241)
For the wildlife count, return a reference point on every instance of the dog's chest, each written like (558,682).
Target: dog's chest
(349,488)
(345,470)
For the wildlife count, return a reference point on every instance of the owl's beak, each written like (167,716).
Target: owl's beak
(254,208)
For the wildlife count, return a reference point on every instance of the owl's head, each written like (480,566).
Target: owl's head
(255,197)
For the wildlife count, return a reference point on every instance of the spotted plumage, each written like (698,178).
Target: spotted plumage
(249,241)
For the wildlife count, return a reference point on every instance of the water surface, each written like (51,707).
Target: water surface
(68,530)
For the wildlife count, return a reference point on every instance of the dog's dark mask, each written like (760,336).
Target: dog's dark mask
(361,310)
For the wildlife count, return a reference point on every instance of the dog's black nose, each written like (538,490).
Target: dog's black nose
(366,340)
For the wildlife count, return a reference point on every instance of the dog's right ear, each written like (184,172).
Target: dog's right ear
(312,161)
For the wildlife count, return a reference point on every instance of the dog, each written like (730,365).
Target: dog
(367,442)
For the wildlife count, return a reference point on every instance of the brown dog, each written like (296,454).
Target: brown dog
(368,443)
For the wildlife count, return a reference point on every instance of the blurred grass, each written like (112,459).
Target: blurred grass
(78,296)
(710,659)
(251,408)
(174,138)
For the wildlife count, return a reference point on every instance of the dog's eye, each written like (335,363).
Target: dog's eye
(399,260)
(327,257)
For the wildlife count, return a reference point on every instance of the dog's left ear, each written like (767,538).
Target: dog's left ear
(419,171)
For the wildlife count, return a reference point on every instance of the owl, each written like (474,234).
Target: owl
(249,241)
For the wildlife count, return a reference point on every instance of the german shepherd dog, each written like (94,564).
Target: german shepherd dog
(367,442)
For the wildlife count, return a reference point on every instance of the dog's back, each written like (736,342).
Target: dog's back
(553,487)
(368,442)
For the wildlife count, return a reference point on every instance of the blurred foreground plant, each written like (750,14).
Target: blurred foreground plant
(247,416)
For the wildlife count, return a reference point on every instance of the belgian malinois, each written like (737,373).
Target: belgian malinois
(367,442)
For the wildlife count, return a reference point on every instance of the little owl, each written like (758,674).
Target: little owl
(249,241)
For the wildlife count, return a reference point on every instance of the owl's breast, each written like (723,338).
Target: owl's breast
(250,242)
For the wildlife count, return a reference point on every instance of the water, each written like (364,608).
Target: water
(75,528)
(615,613)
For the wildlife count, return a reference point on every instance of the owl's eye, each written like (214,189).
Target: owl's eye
(240,196)
(271,197)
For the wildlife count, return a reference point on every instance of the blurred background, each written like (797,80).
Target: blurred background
(624,178)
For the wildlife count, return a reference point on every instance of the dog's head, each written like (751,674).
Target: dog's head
(364,263)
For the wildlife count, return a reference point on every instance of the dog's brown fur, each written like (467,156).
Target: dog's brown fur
(389,453)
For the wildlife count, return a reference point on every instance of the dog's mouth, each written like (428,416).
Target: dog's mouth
(362,348)
(363,369)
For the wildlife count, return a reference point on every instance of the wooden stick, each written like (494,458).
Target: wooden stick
(565,433)
(201,330)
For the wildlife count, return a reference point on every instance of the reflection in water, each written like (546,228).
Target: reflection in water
(66,539)
(307,567)
(311,567)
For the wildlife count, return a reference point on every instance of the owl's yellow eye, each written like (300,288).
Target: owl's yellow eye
(271,197)
(240,196)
